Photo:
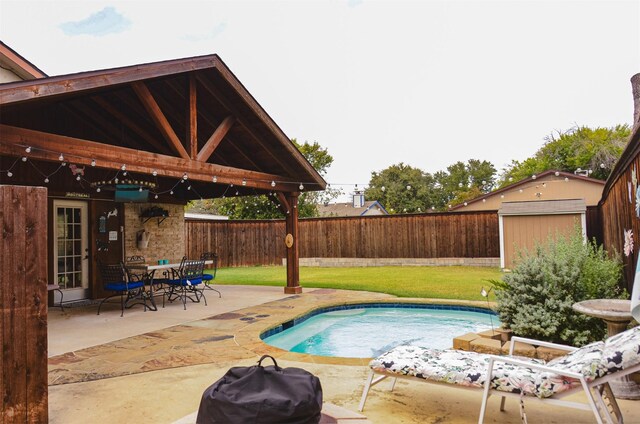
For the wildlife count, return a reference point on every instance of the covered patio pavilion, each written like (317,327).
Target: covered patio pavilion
(86,158)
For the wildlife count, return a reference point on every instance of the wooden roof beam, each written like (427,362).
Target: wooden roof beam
(218,96)
(215,139)
(150,104)
(49,146)
(192,120)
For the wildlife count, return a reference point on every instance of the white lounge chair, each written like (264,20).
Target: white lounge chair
(588,369)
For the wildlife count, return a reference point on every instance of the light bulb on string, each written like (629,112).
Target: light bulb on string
(273,183)
(93,162)
(171,192)
(78,178)
(301,186)
(189,188)
(155,197)
(9,174)
(98,190)
(140,189)
(185,177)
(244,182)
(154,173)
(123,167)
(215,179)
(24,158)
(46,180)
(28,149)
(61,157)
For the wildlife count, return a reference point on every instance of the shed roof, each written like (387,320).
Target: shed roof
(185,116)
(347,209)
(543,207)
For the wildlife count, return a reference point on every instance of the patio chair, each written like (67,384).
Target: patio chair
(588,370)
(206,277)
(115,279)
(186,283)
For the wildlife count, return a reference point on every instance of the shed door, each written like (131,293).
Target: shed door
(522,233)
(70,248)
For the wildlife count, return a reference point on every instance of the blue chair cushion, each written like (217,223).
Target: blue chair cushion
(207,277)
(185,282)
(122,286)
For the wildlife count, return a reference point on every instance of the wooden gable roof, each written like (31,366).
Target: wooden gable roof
(180,117)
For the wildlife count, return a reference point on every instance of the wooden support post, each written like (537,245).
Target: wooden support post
(291,241)
(23,305)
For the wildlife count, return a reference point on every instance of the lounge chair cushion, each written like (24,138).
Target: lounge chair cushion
(622,351)
(185,282)
(207,277)
(470,369)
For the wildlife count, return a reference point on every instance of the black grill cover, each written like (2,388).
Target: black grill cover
(262,395)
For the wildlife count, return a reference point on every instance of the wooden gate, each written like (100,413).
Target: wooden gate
(23,301)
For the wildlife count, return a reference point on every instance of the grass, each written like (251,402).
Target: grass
(450,282)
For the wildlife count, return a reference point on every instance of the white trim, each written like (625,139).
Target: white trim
(501,233)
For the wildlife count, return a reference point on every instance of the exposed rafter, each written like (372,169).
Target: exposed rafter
(215,139)
(158,117)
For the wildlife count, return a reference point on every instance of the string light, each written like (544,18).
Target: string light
(215,178)
(28,149)
(273,183)
(61,157)
(244,182)
(24,158)
(46,180)
(93,162)
(301,186)
(154,173)
(9,174)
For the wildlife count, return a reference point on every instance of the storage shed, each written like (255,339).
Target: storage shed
(522,225)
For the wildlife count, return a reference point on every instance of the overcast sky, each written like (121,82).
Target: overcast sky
(427,83)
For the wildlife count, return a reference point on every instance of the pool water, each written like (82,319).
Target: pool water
(368,332)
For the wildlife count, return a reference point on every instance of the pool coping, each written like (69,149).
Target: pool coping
(249,337)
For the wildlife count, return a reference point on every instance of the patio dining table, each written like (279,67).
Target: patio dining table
(149,273)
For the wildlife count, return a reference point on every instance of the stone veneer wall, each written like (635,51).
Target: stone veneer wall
(167,239)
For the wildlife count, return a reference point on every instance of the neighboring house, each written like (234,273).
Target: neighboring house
(14,67)
(534,209)
(548,185)
(357,207)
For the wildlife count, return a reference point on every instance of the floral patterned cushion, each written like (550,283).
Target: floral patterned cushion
(470,369)
(622,351)
(587,361)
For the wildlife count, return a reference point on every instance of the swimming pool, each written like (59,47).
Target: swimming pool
(367,330)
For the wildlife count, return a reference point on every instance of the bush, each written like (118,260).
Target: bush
(535,299)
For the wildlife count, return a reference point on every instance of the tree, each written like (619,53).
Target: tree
(594,151)
(266,206)
(466,181)
(404,189)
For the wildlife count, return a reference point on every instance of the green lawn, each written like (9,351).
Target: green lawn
(449,282)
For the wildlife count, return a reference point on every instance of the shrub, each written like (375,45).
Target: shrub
(535,299)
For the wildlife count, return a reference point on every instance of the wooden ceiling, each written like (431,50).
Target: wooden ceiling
(188,116)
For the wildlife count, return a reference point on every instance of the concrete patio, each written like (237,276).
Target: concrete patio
(152,367)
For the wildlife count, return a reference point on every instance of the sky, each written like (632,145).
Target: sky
(376,82)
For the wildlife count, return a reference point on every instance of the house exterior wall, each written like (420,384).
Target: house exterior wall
(167,240)
(522,233)
(549,188)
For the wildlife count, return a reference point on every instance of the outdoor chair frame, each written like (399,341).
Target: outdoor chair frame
(208,278)
(186,283)
(116,279)
(597,391)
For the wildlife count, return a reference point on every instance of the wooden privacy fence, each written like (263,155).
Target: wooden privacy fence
(437,235)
